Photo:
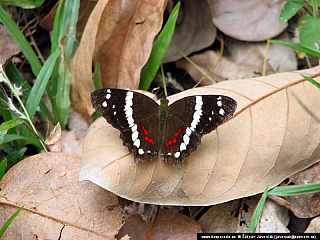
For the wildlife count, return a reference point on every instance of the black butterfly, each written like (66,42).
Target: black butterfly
(149,129)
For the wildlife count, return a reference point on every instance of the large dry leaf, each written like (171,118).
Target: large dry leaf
(274,134)
(280,58)
(86,7)
(8,47)
(314,226)
(119,36)
(192,33)
(235,216)
(55,202)
(304,205)
(167,225)
(274,219)
(248,20)
(219,69)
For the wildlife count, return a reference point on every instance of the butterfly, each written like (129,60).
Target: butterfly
(171,131)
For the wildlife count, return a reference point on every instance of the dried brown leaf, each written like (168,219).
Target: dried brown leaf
(219,70)
(8,47)
(192,33)
(119,36)
(54,135)
(274,134)
(68,143)
(86,7)
(55,202)
(274,219)
(314,226)
(248,20)
(167,225)
(305,205)
(280,58)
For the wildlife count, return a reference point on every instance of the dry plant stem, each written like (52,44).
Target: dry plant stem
(164,81)
(37,135)
(265,60)
(34,44)
(193,63)
(152,226)
(196,214)
(308,62)
(30,33)
(3,203)
(217,64)
(271,93)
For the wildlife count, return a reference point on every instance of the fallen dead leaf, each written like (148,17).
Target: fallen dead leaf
(219,70)
(55,203)
(314,226)
(119,36)
(274,218)
(248,20)
(235,216)
(305,205)
(8,47)
(222,218)
(86,7)
(192,33)
(167,225)
(68,143)
(54,135)
(280,58)
(275,131)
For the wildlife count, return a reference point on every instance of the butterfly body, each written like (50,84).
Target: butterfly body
(150,130)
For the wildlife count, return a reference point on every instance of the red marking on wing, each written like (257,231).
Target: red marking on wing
(174,140)
(177,133)
(144,130)
(147,138)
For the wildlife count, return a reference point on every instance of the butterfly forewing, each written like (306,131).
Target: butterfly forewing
(193,117)
(135,115)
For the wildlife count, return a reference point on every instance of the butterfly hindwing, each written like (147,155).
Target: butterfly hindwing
(192,117)
(134,114)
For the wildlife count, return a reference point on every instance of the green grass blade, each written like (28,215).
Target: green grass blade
(97,83)
(16,154)
(41,83)
(4,127)
(38,90)
(309,51)
(2,135)
(159,50)
(3,167)
(7,224)
(56,26)
(28,4)
(18,37)
(314,82)
(64,33)
(63,103)
(16,78)
(258,212)
(295,189)
(10,124)
(12,137)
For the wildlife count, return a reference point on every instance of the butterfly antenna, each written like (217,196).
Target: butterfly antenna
(164,81)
